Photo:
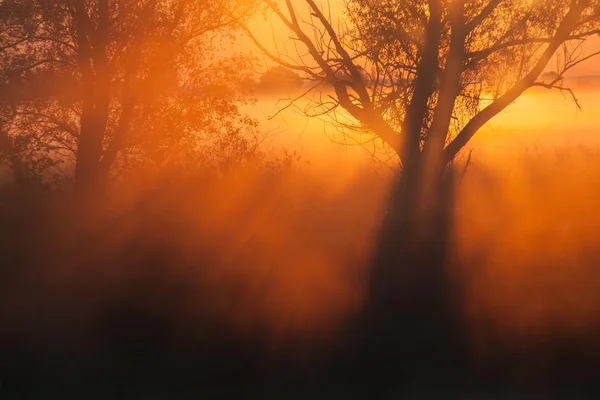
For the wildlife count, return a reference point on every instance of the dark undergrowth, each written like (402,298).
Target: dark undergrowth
(163,292)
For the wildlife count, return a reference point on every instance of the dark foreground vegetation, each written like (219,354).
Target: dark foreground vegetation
(198,287)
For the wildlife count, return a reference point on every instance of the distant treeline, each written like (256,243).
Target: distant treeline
(275,80)
(577,81)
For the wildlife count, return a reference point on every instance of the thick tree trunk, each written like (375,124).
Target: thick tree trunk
(88,168)
(92,43)
(89,152)
(410,318)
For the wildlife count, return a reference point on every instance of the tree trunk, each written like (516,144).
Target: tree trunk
(92,43)
(89,151)
(410,321)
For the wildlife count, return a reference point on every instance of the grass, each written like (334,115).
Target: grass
(243,284)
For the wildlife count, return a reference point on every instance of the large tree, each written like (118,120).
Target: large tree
(425,75)
(92,82)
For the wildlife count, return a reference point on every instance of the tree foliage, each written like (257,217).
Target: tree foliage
(425,75)
(94,84)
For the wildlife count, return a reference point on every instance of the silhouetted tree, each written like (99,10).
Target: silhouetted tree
(425,76)
(279,78)
(103,69)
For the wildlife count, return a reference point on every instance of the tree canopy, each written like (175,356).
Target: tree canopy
(105,82)
(425,75)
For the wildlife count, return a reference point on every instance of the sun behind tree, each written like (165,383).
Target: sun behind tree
(425,76)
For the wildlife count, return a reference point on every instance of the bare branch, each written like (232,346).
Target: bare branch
(558,87)
(483,15)
(562,33)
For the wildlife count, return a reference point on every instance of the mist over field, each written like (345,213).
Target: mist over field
(299,199)
(526,208)
(539,120)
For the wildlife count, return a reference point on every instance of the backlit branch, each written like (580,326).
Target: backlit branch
(562,33)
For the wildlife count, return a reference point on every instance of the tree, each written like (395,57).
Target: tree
(279,78)
(106,67)
(425,75)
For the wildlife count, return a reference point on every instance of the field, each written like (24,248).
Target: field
(255,278)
